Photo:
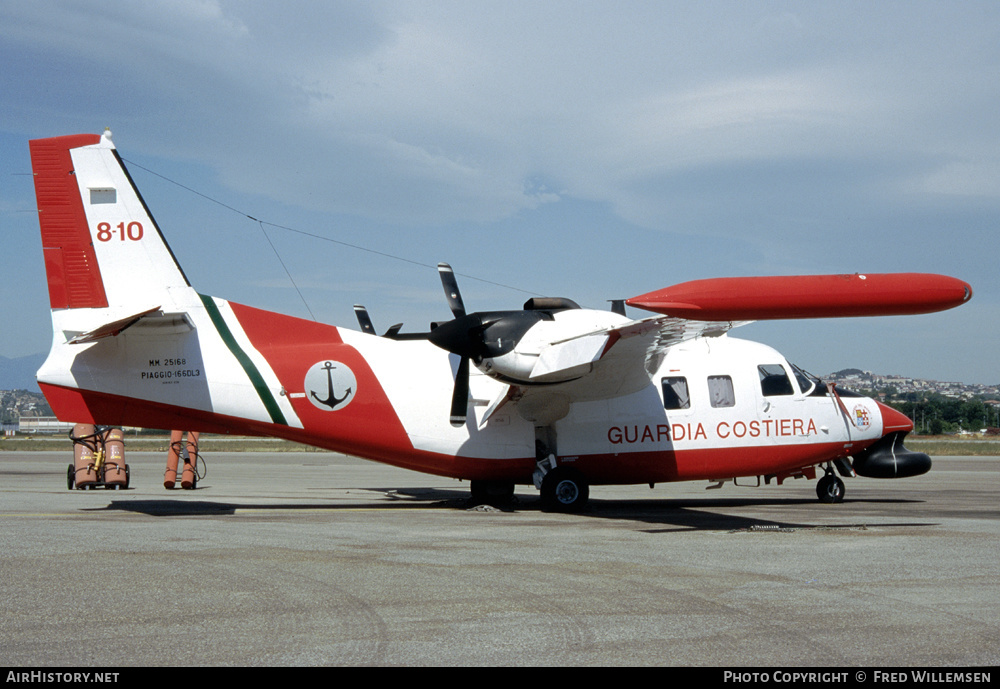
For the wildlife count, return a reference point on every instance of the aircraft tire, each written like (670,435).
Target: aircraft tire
(565,490)
(830,489)
(495,493)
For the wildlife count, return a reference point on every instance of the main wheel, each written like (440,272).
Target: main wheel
(565,490)
(830,489)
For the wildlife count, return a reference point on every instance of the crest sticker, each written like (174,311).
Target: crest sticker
(862,417)
(330,385)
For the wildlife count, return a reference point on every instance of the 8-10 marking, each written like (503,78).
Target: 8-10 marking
(131,232)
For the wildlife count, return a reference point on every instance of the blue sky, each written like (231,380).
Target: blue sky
(593,150)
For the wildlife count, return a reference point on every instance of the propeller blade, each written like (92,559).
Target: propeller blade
(364,320)
(460,397)
(451,292)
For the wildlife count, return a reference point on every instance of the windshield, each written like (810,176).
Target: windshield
(808,383)
(814,387)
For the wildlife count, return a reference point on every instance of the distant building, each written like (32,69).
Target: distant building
(43,424)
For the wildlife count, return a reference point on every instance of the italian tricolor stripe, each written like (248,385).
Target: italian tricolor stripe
(248,366)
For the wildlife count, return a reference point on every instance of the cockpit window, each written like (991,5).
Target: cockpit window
(774,381)
(807,382)
(812,385)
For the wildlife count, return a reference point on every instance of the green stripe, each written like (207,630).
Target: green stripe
(248,366)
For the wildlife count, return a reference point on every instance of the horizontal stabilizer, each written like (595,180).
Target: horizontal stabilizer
(111,329)
(153,321)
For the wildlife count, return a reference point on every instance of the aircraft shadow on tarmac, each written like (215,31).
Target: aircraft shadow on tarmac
(663,515)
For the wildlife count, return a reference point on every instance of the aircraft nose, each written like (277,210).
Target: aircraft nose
(888,458)
(893,421)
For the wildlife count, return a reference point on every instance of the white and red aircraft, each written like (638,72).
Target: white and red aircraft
(559,396)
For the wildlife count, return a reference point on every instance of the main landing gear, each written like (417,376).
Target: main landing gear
(564,490)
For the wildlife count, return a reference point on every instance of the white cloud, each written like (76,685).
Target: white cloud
(799,132)
(442,112)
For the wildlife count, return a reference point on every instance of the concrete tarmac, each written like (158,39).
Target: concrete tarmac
(321,559)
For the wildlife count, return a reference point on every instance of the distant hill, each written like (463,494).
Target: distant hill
(19,374)
(847,372)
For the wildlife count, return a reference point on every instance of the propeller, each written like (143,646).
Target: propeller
(365,321)
(451,292)
(477,337)
(457,336)
(460,395)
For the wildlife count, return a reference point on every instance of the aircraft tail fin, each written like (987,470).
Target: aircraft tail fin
(102,247)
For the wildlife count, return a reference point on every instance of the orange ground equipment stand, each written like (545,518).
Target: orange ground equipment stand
(186,451)
(98,458)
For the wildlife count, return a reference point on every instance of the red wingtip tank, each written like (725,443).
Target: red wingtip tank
(806,296)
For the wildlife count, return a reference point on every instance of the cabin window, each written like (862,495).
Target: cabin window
(675,393)
(720,391)
(774,381)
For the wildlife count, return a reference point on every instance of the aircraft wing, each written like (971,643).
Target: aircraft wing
(631,344)
(608,362)
(618,360)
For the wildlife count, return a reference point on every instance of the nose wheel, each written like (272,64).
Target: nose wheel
(830,488)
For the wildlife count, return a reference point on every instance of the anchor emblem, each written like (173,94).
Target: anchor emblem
(324,379)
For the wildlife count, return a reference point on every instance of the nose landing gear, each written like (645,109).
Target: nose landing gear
(830,488)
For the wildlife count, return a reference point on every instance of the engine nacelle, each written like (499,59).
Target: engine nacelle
(558,347)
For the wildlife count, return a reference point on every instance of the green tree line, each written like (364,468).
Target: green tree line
(934,414)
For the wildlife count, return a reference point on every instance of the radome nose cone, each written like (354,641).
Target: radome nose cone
(893,421)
